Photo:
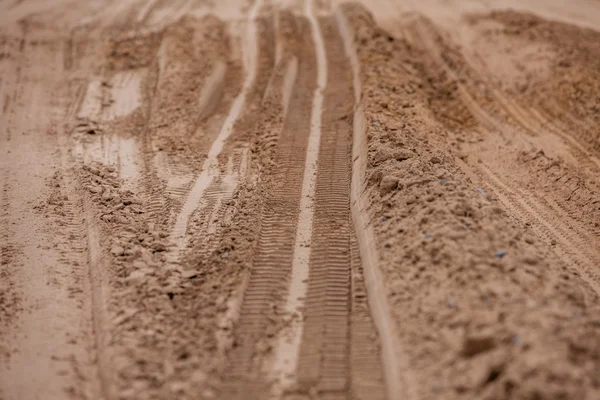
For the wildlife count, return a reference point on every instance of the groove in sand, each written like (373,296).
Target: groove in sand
(288,346)
(145,10)
(98,277)
(211,165)
(526,208)
(397,386)
(291,72)
(213,88)
(125,93)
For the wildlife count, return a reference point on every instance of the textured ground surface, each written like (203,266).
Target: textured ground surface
(299,199)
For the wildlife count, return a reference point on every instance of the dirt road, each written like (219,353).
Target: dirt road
(299,199)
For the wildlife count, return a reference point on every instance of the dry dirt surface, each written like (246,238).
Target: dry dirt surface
(299,199)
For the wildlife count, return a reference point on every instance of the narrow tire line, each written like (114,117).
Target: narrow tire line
(98,277)
(211,164)
(324,356)
(524,208)
(397,384)
(577,260)
(266,286)
(288,343)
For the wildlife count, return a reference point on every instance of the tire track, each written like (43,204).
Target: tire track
(560,128)
(186,102)
(288,341)
(366,373)
(544,114)
(204,229)
(521,203)
(396,377)
(179,177)
(210,166)
(83,250)
(526,208)
(532,122)
(79,250)
(98,267)
(536,123)
(323,360)
(527,120)
(146,10)
(330,325)
(272,262)
(51,331)
(207,221)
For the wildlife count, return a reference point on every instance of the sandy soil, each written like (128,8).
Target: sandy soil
(300,199)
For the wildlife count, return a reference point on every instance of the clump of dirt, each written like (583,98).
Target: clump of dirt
(132,50)
(441,85)
(483,308)
(154,327)
(10,298)
(189,52)
(576,192)
(239,220)
(447,75)
(170,323)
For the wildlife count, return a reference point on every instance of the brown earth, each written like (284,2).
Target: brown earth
(300,200)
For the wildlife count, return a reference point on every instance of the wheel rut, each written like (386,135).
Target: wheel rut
(288,340)
(529,210)
(304,325)
(366,372)
(502,115)
(272,262)
(324,351)
(210,166)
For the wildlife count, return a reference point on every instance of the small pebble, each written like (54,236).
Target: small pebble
(387,184)
(480,190)
(117,250)
(95,189)
(474,345)
(500,254)
(158,246)
(427,236)
(190,274)
(135,277)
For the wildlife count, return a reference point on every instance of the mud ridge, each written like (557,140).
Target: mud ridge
(411,190)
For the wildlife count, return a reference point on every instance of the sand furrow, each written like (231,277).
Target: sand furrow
(210,166)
